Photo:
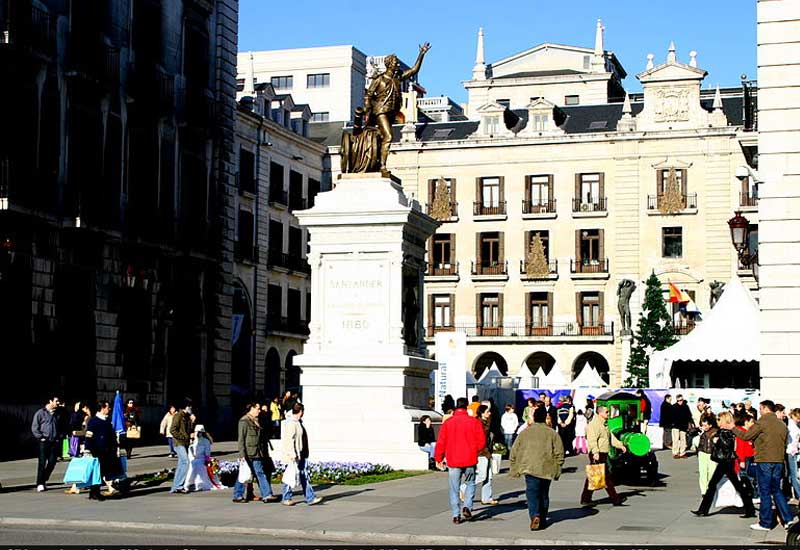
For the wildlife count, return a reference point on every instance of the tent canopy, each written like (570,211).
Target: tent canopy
(554,379)
(729,332)
(489,374)
(588,378)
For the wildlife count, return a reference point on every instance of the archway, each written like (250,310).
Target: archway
(272,374)
(293,374)
(484,361)
(594,359)
(540,360)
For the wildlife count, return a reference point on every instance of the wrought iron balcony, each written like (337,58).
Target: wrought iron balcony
(29,30)
(552,269)
(588,266)
(748,199)
(683,327)
(291,262)
(431,330)
(533,331)
(481,209)
(442,269)
(592,204)
(496,268)
(688,201)
(539,206)
(287,324)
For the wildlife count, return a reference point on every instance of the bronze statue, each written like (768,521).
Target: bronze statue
(367,148)
(624,291)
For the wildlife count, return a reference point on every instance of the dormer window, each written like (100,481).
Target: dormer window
(540,122)
(505,103)
(491,125)
(572,100)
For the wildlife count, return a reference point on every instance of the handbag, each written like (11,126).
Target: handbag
(134,432)
(80,470)
(596,476)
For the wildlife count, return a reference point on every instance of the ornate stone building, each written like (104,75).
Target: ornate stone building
(117,200)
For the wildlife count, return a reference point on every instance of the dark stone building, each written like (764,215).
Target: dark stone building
(116,202)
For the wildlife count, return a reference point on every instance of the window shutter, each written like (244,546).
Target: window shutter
(431,191)
(577,186)
(526,244)
(601,308)
(550,186)
(579,308)
(478,191)
(602,185)
(577,246)
(550,309)
(501,247)
(528,319)
(431,312)
(478,249)
(502,190)
(500,311)
(601,249)
(684,181)
(478,311)
(452,310)
(452,249)
(453,190)
(659,182)
(430,251)
(527,195)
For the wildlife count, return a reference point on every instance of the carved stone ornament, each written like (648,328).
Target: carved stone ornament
(672,105)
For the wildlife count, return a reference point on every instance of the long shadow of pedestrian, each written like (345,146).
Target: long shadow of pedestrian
(566,514)
(18,488)
(345,494)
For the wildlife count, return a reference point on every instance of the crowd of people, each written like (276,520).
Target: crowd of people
(756,451)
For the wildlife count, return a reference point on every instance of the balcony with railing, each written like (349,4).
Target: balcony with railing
(442,271)
(748,200)
(589,207)
(489,211)
(287,325)
(538,208)
(278,197)
(490,271)
(565,332)
(655,204)
(297,203)
(27,30)
(552,271)
(589,269)
(289,262)
(453,212)
(684,327)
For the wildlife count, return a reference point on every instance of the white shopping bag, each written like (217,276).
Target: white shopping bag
(245,475)
(291,475)
(726,495)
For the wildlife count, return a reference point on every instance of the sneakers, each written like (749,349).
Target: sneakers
(316,500)
(490,502)
(271,498)
(759,527)
(40,488)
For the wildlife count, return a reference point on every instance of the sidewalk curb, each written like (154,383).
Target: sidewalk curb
(301,534)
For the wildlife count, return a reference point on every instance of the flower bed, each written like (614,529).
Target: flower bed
(321,472)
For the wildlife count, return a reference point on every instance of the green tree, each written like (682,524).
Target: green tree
(654,333)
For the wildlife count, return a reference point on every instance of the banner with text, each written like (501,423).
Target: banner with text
(451,376)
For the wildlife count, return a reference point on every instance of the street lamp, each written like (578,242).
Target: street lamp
(740,232)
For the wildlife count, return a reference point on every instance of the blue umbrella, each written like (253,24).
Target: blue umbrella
(118,415)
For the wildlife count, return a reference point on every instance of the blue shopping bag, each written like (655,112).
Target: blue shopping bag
(82,470)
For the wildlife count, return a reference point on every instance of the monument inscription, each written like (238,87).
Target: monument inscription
(356,294)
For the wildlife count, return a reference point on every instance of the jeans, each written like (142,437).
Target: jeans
(726,469)
(770,475)
(454,480)
(429,448)
(308,491)
(509,441)
(483,474)
(537,491)
(48,456)
(264,487)
(171,444)
(792,461)
(181,469)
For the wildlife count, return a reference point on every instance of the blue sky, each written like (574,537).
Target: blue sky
(723,32)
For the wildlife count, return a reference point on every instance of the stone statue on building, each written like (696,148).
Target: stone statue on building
(717,288)
(367,148)
(624,291)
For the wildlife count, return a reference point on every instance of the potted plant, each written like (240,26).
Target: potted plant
(499,450)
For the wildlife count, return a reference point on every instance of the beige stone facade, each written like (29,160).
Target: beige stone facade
(590,180)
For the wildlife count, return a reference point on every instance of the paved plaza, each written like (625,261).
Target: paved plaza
(407,511)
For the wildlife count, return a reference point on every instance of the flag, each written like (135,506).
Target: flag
(676,295)
(118,415)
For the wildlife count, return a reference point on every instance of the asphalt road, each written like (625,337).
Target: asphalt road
(98,539)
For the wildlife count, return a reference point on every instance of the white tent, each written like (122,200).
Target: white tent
(471,379)
(526,379)
(490,374)
(729,332)
(588,378)
(554,380)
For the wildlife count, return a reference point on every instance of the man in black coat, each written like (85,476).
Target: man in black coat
(665,421)
(681,422)
(101,441)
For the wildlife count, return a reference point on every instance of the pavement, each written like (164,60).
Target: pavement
(406,511)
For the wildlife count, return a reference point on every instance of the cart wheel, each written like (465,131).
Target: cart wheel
(793,538)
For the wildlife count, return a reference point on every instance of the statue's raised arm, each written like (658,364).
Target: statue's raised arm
(423,49)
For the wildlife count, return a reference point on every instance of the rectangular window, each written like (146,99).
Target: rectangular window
(589,188)
(585,61)
(663,178)
(276,236)
(492,125)
(490,250)
(442,258)
(672,242)
(572,100)
(247,165)
(282,82)
(321,117)
(539,309)
(295,242)
(539,193)
(320,80)
(245,235)
(590,309)
(505,103)
(274,305)
(490,312)
(442,311)
(590,248)
(490,192)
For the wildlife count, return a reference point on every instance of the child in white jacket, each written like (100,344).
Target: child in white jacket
(580,433)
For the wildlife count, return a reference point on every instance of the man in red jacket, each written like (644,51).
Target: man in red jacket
(460,440)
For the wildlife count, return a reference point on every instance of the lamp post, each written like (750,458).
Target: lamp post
(740,233)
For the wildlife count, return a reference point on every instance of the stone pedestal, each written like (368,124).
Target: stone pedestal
(625,356)
(365,376)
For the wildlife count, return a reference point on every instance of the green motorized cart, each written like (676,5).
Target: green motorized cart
(625,422)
